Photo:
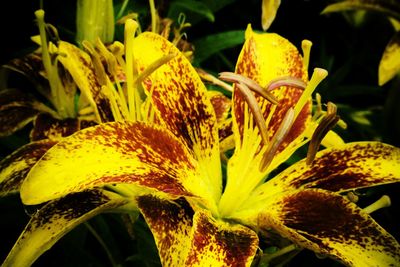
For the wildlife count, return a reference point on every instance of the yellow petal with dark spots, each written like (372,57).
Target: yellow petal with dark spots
(182,104)
(17,109)
(47,127)
(57,218)
(217,243)
(14,168)
(111,153)
(340,168)
(265,57)
(171,224)
(329,224)
(79,65)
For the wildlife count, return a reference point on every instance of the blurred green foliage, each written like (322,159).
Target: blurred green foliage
(349,51)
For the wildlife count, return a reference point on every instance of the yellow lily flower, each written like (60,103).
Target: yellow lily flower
(171,171)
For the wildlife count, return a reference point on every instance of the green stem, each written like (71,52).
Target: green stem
(102,243)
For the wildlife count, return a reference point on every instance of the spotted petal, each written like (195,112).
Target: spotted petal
(57,218)
(184,240)
(112,153)
(342,168)
(14,168)
(79,65)
(329,224)
(217,243)
(182,104)
(17,109)
(47,127)
(265,57)
(171,224)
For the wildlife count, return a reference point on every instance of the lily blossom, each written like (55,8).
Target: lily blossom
(171,170)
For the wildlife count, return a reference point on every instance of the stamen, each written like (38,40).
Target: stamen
(286,81)
(383,202)
(255,87)
(276,141)
(214,80)
(326,124)
(306,47)
(130,29)
(153,67)
(154,16)
(318,75)
(255,110)
(266,258)
(101,75)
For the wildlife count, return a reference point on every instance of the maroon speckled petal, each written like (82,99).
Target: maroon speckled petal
(14,168)
(57,218)
(171,224)
(265,57)
(329,224)
(217,243)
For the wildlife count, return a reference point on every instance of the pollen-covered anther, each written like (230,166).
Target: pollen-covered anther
(277,139)
(255,110)
(326,124)
(251,84)
(383,202)
(205,76)
(286,81)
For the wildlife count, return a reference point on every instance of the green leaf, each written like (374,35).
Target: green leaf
(197,7)
(389,8)
(212,44)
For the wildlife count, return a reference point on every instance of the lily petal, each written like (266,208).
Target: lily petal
(47,127)
(14,168)
(182,104)
(111,153)
(329,224)
(217,243)
(57,218)
(389,66)
(17,109)
(171,224)
(31,66)
(263,58)
(78,64)
(342,168)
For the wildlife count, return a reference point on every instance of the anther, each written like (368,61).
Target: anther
(251,84)
(255,110)
(383,202)
(326,124)
(277,140)
(205,76)
(286,81)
